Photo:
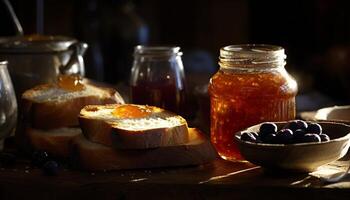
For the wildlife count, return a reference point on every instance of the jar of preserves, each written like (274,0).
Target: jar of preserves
(251,86)
(157,77)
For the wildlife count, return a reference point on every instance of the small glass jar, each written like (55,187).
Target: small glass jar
(157,77)
(8,104)
(251,86)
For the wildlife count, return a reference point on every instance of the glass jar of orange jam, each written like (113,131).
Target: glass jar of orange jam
(251,86)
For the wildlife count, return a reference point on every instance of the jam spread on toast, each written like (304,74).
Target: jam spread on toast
(70,82)
(132,111)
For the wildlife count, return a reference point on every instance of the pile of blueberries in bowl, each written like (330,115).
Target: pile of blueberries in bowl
(296,131)
(296,145)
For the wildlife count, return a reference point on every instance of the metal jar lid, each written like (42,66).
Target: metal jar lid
(35,44)
(157,51)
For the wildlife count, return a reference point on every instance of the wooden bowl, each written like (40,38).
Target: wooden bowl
(301,157)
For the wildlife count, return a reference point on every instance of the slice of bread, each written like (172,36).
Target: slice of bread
(55,141)
(132,126)
(96,157)
(49,106)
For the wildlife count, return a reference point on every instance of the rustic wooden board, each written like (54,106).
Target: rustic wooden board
(97,157)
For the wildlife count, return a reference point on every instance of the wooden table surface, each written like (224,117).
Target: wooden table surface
(218,180)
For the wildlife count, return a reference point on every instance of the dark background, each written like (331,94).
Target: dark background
(315,34)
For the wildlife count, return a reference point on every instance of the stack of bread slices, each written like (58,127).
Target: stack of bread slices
(48,117)
(97,131)
(137,136)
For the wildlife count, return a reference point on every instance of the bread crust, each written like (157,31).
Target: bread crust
(96,130)
(147,139)
(56,142)
(96,157)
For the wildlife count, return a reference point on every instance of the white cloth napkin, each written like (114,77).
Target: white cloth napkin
(334,169)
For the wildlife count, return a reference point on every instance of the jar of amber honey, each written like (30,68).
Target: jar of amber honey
(251,86)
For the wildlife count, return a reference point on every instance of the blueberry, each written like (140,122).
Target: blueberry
(292,125)
(39,158)
(284,136)
(311,137)
(248,136)
(267,128)
(302,124)
(256,135)
(297,124)
(314,128)
(51,168)
(7,159)
(270,139)
(298,135)
(324,137)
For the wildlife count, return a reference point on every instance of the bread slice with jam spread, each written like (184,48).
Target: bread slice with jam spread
(48,113)
(58,105)
(131,126)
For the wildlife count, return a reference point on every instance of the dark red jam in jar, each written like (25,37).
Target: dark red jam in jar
(157,78)
(251,86)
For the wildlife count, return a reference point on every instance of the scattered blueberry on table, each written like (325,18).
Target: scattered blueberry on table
(39,158)
(7,159)
(45,162)
(50,168)
(296,131)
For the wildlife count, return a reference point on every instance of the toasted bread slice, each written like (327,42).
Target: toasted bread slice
(96,157)
(49,106)
(132,126)
(55,141)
